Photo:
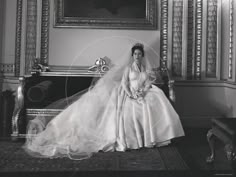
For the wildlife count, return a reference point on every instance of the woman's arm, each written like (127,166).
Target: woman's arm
(147,86)
(125,82)
(149,81)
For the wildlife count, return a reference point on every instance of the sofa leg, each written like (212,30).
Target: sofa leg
(211,142)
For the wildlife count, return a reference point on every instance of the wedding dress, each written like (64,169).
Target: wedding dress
(106,119)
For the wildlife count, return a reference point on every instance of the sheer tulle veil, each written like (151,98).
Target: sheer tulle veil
(113,77)
(90,106)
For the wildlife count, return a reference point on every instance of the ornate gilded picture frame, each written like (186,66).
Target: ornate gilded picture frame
(108,14)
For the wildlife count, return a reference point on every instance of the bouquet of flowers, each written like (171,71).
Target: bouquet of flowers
(139,95)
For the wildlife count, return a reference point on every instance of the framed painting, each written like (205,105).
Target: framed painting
(111,14)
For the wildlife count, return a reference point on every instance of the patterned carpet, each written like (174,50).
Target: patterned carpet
(14,160)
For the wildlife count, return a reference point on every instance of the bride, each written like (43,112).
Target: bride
(123,110)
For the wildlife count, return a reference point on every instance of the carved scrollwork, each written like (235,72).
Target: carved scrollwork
(38,68)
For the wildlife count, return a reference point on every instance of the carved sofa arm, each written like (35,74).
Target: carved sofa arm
(19,107)
(166,83)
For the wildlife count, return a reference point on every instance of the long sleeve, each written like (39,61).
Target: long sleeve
(125,82)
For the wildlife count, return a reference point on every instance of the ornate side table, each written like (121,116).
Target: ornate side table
(223,129)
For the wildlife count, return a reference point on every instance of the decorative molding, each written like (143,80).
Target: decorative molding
(231,40)
(211,45)
(190,42)
(205,83)
(9,80)
(18,37)
(219,41)
(8,68)
(31,30)
(199,121)
(72,71)
(184,40)
(45,32)
(43,112)
(55,68)
(39,25)
(200,83)
(164,34)
(198,39)
(177,38)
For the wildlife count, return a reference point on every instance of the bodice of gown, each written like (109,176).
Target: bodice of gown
(137,79)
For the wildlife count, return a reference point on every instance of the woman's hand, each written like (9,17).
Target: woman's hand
(133,96)
(139,93)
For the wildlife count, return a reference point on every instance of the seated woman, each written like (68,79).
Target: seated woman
(124,110)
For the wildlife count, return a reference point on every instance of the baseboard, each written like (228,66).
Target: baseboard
(197,121)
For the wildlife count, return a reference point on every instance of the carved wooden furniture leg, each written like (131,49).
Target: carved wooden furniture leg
(211,141)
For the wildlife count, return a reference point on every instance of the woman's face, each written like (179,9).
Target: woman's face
(137,55)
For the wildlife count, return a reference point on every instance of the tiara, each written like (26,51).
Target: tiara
(138,45)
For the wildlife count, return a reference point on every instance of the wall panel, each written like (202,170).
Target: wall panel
(177,25)
(31,32)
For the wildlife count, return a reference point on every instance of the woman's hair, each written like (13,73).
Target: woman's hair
(138,46)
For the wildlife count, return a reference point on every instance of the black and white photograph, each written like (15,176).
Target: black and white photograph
(118,88)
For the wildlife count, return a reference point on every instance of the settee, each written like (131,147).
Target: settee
(43,86)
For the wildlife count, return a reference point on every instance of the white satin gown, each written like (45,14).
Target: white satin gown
(123,122)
